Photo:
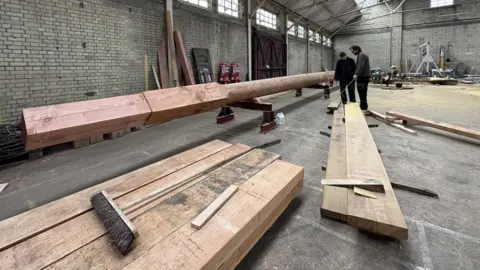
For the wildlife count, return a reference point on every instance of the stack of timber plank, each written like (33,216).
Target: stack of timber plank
(353,155)
(67,234)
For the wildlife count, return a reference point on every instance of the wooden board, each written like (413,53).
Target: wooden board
(364,192)
(383,118)
(333,105)
(207,214)
(55,124)
(171,44)
(156,77)
(19,228)
(172,103)
(382,215)
(167,216)
(334,202)
(238,219)
(471,133)
(184,60)
(163,67)
(368,184)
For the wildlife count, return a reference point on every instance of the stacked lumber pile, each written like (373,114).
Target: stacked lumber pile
(67,234)
(353,156)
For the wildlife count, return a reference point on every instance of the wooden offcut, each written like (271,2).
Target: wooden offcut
(163,67)
(333,105)
(208,213)
(184,61)
(364,192)
(266,186)
(382,215)
(156,77)
(414,120)
(171,44)
(383,118)
(368,184)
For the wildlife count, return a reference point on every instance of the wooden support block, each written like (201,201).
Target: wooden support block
(96,139)
(81,143)
(213,208)
(252,105)
(127,131)
(364,192)
(114,135)
(298,93)
(134,129)
(368,184)
(35,154)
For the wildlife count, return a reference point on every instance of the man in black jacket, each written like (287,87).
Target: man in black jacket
(344,73)
(362,75)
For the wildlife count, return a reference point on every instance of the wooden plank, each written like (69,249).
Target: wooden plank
(382,215)
(257,198)
(173,57)
(172,103)
(163,67)
(236,257)
(333,105)
(368,184)
(334,202)
(167,216)
(471,133)
(156,77)
(383,118)
(364,192)
(184,61)
(207,214)
(19,228)
(55,124)
(146,72)
(65,238)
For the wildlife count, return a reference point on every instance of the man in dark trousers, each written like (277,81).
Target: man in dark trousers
(344,74)
(362,75)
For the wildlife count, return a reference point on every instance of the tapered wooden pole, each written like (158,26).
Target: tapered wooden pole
(55,124)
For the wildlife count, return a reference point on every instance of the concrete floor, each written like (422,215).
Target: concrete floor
(443,233)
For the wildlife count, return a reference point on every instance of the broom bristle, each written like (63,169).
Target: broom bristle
(118,226)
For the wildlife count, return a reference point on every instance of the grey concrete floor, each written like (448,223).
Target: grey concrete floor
(443,233)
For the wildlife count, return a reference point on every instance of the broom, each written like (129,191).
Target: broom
(120,228)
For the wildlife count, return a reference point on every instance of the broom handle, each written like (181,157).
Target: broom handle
(184,181)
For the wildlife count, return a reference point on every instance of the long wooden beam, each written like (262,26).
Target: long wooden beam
(414,120)
(55,124)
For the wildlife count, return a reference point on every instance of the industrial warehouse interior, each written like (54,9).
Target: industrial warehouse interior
(240,134)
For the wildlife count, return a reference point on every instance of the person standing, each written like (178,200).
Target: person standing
(344,72)
(362,75)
